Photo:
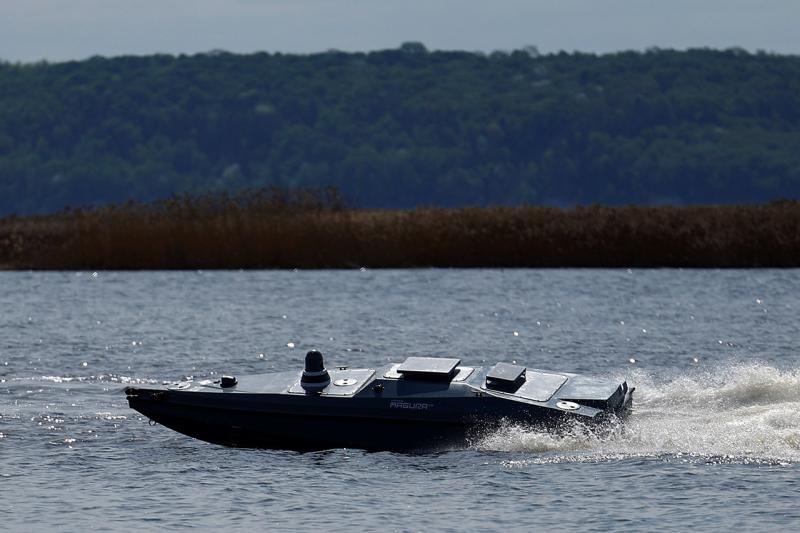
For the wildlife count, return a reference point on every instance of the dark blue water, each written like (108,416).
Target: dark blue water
(714,442)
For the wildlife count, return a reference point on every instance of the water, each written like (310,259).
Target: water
(714,442)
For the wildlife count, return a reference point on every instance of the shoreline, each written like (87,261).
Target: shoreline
(197,234)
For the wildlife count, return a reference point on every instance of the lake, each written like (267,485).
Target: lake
(713,442)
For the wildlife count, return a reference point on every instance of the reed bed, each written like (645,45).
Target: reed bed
(272,228)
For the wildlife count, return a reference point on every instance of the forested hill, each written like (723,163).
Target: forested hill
(405,127)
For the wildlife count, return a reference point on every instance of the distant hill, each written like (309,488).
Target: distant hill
(405,127)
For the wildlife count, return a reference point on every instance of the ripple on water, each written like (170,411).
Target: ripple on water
(706,434)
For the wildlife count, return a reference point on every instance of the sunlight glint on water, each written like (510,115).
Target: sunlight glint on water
(713,443)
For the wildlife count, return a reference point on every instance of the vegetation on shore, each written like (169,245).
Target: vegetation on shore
(405,128)
(272,228)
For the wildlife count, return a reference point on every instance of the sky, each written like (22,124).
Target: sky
(60,30)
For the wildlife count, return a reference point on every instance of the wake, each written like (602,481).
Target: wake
(734,413)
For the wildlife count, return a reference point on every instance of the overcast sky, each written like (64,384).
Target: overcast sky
(58,30)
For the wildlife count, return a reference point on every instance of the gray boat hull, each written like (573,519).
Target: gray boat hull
(375,410)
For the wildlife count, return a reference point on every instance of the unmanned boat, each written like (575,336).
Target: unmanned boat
(422,403)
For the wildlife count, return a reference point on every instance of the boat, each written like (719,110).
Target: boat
(422,403)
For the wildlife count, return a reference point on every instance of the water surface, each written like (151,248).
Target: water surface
(714,442)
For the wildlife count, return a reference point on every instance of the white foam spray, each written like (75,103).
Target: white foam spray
(744,412)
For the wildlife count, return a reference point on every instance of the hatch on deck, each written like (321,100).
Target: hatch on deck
(505,377)
(430,368)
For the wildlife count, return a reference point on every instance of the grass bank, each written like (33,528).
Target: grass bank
(311,229)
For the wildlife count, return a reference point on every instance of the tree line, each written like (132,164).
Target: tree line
(404,127)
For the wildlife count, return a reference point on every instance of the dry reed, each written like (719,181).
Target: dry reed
(272,228)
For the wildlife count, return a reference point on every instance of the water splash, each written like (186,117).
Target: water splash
(734,413)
